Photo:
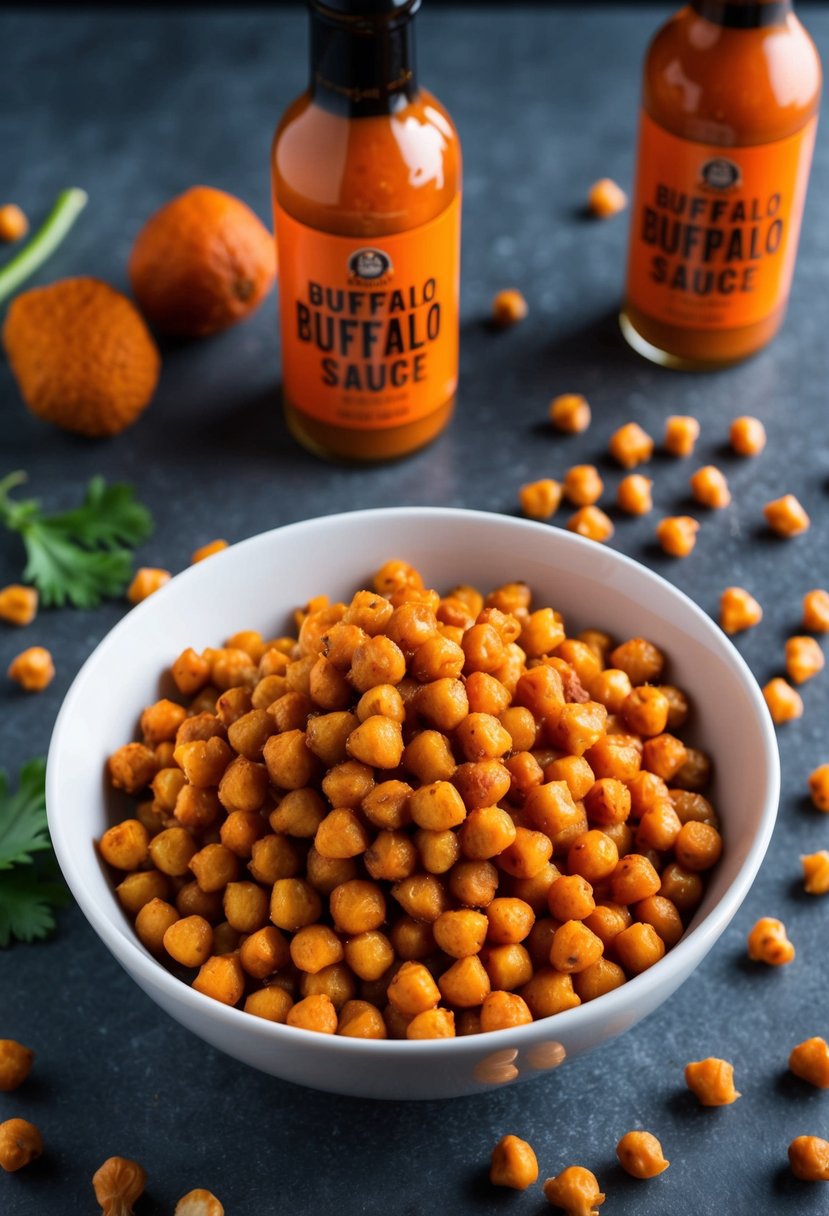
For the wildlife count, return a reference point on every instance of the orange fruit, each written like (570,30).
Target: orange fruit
(82,356)
(201,263)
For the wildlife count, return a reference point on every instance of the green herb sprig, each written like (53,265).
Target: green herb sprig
(29,890)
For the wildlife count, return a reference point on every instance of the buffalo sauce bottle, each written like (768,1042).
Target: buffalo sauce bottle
(729,110)
(366,186)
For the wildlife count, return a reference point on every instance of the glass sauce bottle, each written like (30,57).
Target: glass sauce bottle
(366,170)
(729,109)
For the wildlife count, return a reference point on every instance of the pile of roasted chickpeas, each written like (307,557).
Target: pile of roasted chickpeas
(424,816)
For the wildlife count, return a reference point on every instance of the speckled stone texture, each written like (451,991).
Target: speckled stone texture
(136,106)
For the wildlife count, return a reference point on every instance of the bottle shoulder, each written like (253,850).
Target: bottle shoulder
(728,86)
(368,175)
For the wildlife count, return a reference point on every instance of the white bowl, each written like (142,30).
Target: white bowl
(256,585)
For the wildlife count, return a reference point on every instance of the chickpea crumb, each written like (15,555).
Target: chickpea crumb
(199,1203)
(15,1064)
(816,872)
(32,669)
(213,546)
(570,412)
(514,1164)
(768,943)
(13,223)
(681,434)
(640,1155)
(576,1191)
(508,308)
(634,494)
(118,1184)
(710,488)
(804,659)
(786,516)
(785,703)
(591,522)
(809,1060)
(711,1081)
(816,610)
(747,436)
(630,445)
(20,1143)
(605,198)
(540,499)
(809,1158)
(677,534)
(146,582)
(739,610)
(819,787)
(18,604)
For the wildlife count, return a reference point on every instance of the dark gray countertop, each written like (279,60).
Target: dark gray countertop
(137,106)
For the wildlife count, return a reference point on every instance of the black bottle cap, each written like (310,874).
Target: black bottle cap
(361,11)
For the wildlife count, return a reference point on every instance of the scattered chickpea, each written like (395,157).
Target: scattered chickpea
(634,494)
(570,412)
(816,610)
(15,1064)
(514,1164)
(605,198)
(20,1143)
(540,499)
(591,522)
(810,1061)
(785,703)
(32,669)
(214,546)
(630,445)
(677,534)
(786,516)
(640,1154)
(681,434)
(804,659)
(576,1191)
(582,485)
(146,581)
(747,435)
(18,604)
(768,943)
(508,308)
(739,610)
(809,1158)
(199,1203)
(816,872)
(711,1081)
(710,488)
(118,1184)
(13,223)
(819,787)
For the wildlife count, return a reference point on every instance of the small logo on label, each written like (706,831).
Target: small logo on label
(720,174)
(371,264)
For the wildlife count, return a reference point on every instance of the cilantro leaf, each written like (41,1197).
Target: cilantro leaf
(63,572)
(109,516)
(23,828)
(26,903)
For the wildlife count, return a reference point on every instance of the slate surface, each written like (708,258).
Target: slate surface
(137,106)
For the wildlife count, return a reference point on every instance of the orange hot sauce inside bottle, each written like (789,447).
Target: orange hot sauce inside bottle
(366,170)
(729,110)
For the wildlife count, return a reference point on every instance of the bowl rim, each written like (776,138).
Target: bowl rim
(699,940)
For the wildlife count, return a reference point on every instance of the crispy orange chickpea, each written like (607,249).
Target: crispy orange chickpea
(314,1012)
(528,854)
(486,832)
(639,659)
(784,702)
(15,1064)
(605,199)
(510,920)
(513,1164)
(508,966)
(18,604)
(809,1158)
(508,308)
(646,710)
(593,856)
(465,984)
(189,941)
(347,784)
(575,1190)
(786,516)
(214,867)
(611,687)
(810,1061)
(138,889)
(709,487)
(341,835)
(711,1081)
(582,485)
(432,1024)
(213,546)
(634,494)
(739,610)
(126,845)
(638,947)
(819,787)
(357,906)
(697,846)
(540,499)
(172,850)
(607,801)
(411,939)
(663,916)
(153,921)
(264,952)
(33,669)
(600,977)
(413,990)
(146,581)
(245,906)
(13,223)
(570,412)
(504,1010)
(608,920)
(369,954)
(570,898)
(574,947)
(816,872)
(630,445)
(294,903)
(804,659)
(592,523)
(747,436)
(377,742)
(473,883)
(681,434)
(314,947)
(221,978)
(677,534)
(361,1020)
(549,992)
(272,1003)
(487,695)
(768,942)
(683,887)
(640,1155)
(391,856)
(421,896)
(664,755)
(816,610)
(203,761)
(437,806)
(20,1143)
(461,933)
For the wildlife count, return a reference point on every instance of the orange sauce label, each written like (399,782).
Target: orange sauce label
(369,327)
(714,229)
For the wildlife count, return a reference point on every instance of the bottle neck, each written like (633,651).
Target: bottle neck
(744,14)
(362,67)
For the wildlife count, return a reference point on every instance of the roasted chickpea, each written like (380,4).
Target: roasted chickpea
(570,412)
(810,1061)
(634,494)
(592,523)
(804,659)
(677,534)
(576,1190)
(640,1155)
(681,434)
(513,1164)
(540,499)
(582,485)
(809,1158)
(710,488)
(786,516)
(816,610)
(739,610)
(768,942)
(784,702)
(711,1081)
(747,436)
